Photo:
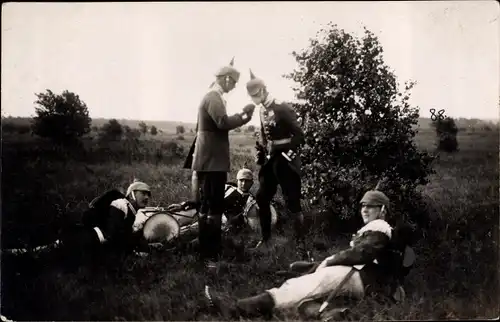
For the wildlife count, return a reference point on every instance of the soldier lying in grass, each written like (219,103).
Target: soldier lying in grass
(374,248)
(107,225)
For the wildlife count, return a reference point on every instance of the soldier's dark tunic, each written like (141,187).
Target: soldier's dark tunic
(234,205)
(211,161)
(280,132)
(114,234)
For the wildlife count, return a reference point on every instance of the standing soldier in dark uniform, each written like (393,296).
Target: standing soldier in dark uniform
(281,137)
(211,159)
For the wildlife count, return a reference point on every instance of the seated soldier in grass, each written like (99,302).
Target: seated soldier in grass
(235,199)
(374,248)
(108,222)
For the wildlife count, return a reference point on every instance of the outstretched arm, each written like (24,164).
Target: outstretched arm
(217,111)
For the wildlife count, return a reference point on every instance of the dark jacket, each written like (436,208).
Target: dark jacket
(234,205)
(372,247)
(117,229)
(211,151)
(279,121)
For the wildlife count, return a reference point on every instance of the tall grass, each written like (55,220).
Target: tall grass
(455,276)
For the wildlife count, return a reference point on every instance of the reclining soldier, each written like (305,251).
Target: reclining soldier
(111,227)
(372,247)
(236,198)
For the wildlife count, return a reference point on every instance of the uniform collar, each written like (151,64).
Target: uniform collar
(268,101)
(241,192)
(217,88)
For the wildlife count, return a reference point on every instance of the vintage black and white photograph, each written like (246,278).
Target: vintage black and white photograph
(249,161)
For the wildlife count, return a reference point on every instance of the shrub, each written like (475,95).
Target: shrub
(446,132)
(143,127)
(62,118)
(111,131)
(179,129)
(358,125)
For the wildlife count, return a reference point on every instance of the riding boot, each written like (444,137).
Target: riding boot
(299,228)
(258,305)
(215,236)
(265,222)
(203,240)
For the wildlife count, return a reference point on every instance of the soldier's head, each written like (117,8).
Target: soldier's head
(374,205)
(256,89)
(139,193)
(227,77)
(245,180)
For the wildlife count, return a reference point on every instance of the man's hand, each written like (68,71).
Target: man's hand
(249,109)
(175,207)
(324,263)
(260,156)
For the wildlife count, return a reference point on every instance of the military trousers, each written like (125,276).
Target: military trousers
(276,172)
(317,285)
(212,189)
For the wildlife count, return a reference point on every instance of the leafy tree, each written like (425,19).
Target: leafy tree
(143,127)
(131,134)
(179,129)
(111,131)
(154,130)
(358,126)
(446,132)
(62,118)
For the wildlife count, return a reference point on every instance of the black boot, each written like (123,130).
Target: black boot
(203,239)
(299,228)
(258,305)
(224,305)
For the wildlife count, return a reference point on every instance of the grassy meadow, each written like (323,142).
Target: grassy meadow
(457,261)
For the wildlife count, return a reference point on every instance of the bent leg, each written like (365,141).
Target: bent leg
(290,183)
(316,285)
(267,189)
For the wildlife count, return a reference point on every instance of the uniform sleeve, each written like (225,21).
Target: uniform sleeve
(365,251)
(296,130)
(115,229)
(217,111)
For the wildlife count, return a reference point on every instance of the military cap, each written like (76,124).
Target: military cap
(254,84)
(137,185)
(229,71)
(244,174)
(375,198)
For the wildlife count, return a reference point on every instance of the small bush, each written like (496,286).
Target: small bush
(446,132)
(358,126)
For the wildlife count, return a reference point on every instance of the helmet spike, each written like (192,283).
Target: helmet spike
(252,76)
(231,63)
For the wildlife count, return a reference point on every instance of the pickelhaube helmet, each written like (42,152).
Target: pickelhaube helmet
(254,84)
(229,71)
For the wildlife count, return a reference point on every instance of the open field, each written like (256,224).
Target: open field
(457,266)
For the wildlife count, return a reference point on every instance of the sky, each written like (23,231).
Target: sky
(155,61)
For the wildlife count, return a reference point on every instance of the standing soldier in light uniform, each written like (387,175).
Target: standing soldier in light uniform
(211,159)
(281,137)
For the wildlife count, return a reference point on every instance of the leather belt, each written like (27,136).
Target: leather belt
(281,141)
